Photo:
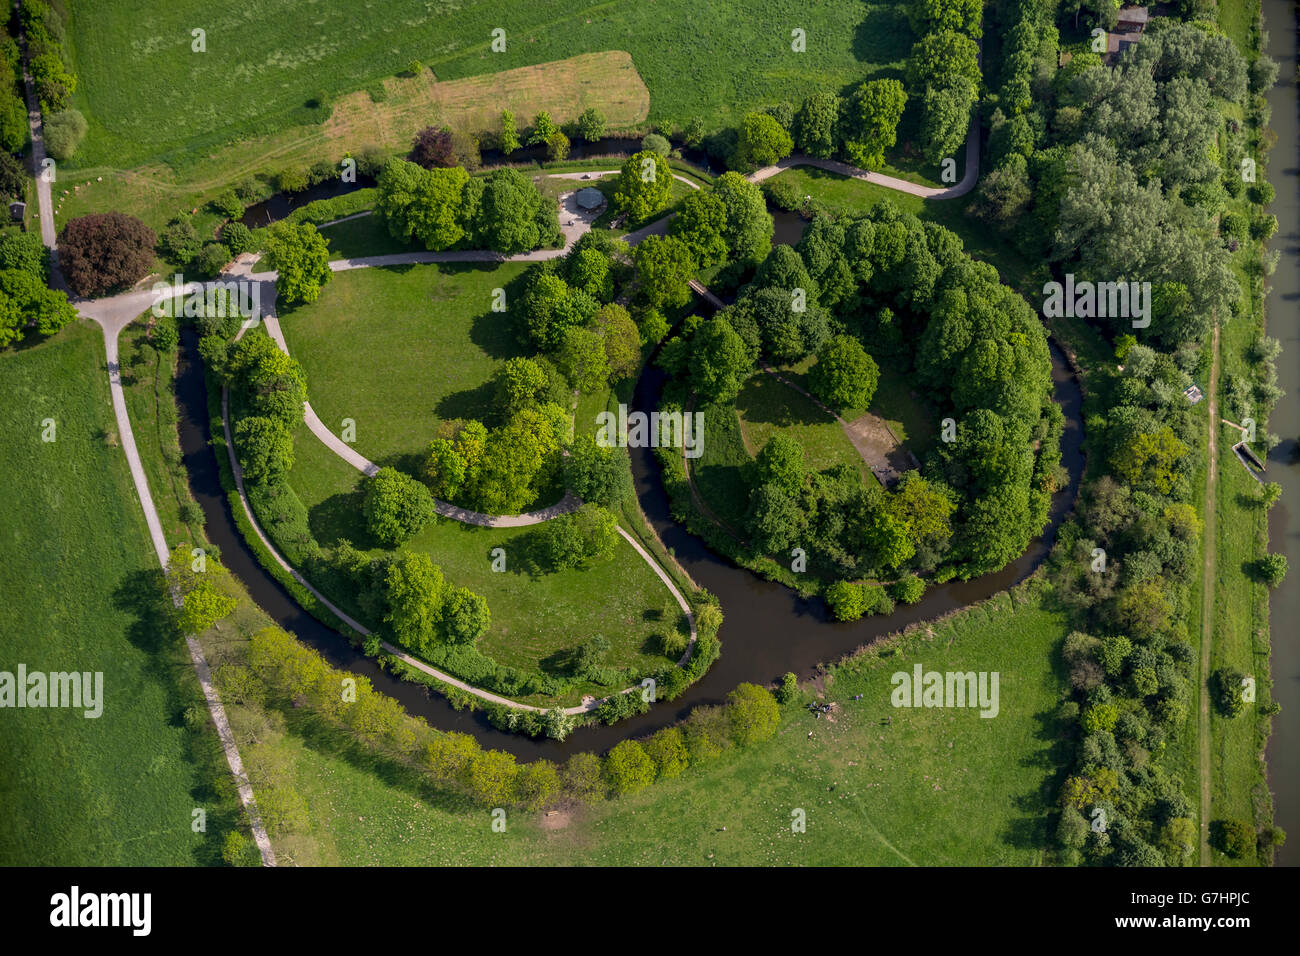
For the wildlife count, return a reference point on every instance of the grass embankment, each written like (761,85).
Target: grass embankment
(1239,784)
(80,579)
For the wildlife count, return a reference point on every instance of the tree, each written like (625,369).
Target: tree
(301,256)
(105,252)
(64,133)
(870,121)
(761,142)
(719,362)
(491,777)
(543,129)
(774,520)
(237,237)
(847,600)
(1226,686)
(664,268)
(962,16)
(644,185)
(513,216)
(588,269)
(54,82)
(845,376)
(579,539)
(597,475)
(432,148)
(591,124)
(753,714)
(26,302)
(781,463)
(816,123)
(620,339)
(1236,837)
(265,449)
(628,768)
(749,225)
(520,383)
(1148,460)
(180,241)
(581,357)
(424,205)
(194,582)
(396,506)
(211,260)
(1270,569)
(537,784)
(13,177)
(909,589)
(465,616)
(583,777)
(509,138)
(557,146)
(667,749)
(415,593)
(701,224)
(517,457)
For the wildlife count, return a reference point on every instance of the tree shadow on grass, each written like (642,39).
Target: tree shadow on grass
(477,403)
(340,516)
(767,401)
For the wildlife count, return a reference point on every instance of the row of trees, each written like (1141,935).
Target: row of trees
(27,304)
(280,671)
(447,208)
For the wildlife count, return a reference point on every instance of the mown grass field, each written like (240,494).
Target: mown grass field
(149,96)
(879,785)
(78,572)
(401,349)
(536,619)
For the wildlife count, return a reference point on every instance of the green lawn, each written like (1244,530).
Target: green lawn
(768,406)
(536,620)
(399,350)
(880,786)
(78,571)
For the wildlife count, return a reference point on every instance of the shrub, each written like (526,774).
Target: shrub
(1226,690)
(228,205)
(789,688)
(64,133)
(591,124)
(582,778)
(1270,569)
(212,259)
(908,589)
(105,252)
(656,144)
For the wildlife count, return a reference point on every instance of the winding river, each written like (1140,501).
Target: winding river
(769,629)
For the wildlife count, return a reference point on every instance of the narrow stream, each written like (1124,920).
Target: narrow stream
(1284,461)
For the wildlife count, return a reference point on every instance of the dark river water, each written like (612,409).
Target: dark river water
(1284,460)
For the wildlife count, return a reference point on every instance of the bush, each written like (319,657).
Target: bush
(1270,569)
(228,205)
(212,259)
(105,252)
(656,144)
(180,242)
(789,688)
(432,148)
(64,133)
(908,589)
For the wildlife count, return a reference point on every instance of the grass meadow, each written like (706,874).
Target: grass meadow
(78,582)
